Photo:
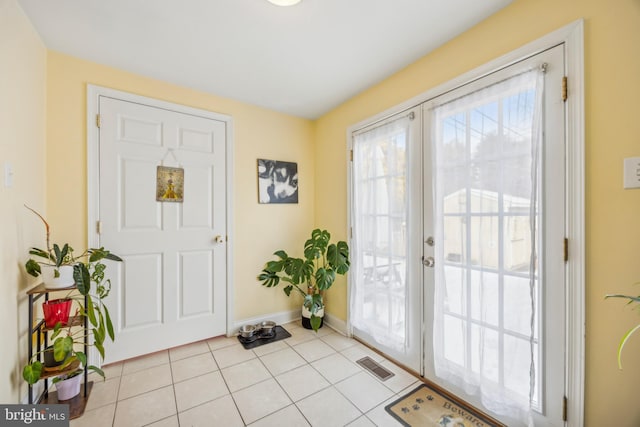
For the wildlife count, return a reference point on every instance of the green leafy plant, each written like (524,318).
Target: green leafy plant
(53,256)
(310,275)
(631,300)
(67,376)
(92,286)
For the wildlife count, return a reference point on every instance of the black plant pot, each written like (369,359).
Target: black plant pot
(49,360)
(306,323)
(306,318)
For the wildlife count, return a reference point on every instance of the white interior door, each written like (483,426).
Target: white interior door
(171,288)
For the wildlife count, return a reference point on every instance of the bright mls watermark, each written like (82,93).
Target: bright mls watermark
(34,415)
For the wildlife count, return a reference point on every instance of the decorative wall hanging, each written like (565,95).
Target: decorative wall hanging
(277,181)
(170,184)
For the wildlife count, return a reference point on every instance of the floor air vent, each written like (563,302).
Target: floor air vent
(375,368)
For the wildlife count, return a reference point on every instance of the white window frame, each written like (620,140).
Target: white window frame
(572,37)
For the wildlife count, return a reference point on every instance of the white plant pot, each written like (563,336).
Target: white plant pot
(306,317)
(68,389)
(64,280)
(306,313)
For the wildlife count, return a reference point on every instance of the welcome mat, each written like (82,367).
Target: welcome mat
(258,339)
(429,406)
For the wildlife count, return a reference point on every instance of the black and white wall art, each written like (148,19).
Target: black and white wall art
(277,181)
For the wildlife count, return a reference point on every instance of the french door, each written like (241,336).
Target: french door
(385,307)
(490,231)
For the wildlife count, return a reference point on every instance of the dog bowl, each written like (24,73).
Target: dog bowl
(267,327)
(247,331)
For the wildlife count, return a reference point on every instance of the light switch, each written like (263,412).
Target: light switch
(632,172)
(8,175)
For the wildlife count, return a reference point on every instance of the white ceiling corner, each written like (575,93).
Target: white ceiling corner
(302,60)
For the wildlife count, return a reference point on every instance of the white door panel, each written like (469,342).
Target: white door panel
(171,288)
(195,301)
(145,270)
(136,211)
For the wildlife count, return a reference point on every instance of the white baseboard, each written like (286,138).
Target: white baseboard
(336,324)
(331,321)
(279,318)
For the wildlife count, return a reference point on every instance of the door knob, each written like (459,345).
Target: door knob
(428,261)
(219,239)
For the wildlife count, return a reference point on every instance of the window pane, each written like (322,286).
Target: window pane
(456,290)
(517,305)
(454,345)
(517,243)
(516,361)
(484,241)
(484,126)
(455,239)
(485,354)
(485,297)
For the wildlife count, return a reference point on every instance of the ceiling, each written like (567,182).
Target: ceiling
(302,60)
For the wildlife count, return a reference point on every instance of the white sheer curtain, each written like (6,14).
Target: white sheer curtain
(378,303)
(486,163)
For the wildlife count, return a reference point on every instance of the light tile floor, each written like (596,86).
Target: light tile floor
(307,380)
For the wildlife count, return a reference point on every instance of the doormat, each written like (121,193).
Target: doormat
(429,406)
(258,340)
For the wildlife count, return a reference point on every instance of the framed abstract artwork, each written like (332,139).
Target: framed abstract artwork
(277,181)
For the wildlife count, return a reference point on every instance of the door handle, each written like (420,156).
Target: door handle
(219,239)
(428,261)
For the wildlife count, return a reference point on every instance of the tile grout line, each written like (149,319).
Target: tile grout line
(330,383)
(274,378)
(173,387)
(334,351)
(115,409)
(228,388)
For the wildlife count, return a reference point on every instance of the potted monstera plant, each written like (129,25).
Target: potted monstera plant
(91,287)
(311,275)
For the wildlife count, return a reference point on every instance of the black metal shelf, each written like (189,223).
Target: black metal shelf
(40,331)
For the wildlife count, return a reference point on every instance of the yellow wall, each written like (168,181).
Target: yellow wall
(22,144)
(612,89)
(612,66)
(259,229)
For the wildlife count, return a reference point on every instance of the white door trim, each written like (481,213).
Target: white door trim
(572,36)
(93,188)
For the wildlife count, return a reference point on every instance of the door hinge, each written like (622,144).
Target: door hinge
(566,250)
(351,155)
(564,408)
(99,227)
(565,90)
(98,121)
